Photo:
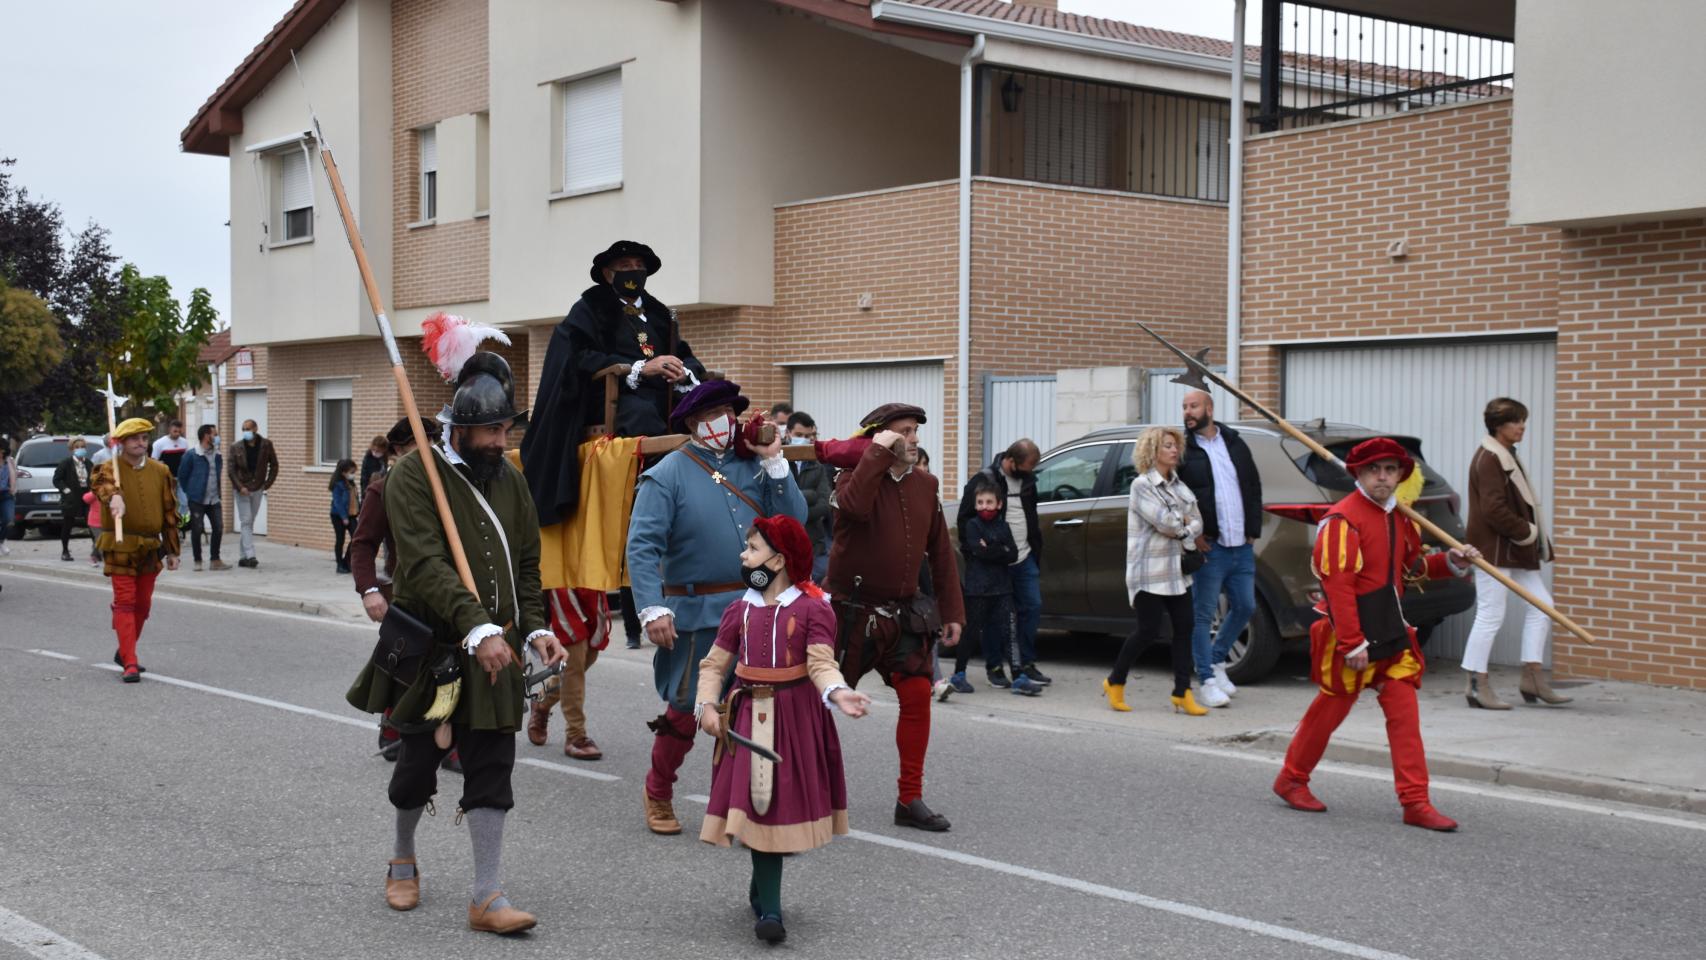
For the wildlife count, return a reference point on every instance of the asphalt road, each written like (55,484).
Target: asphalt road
(230,806)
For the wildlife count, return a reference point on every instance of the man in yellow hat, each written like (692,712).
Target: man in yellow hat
(139,490)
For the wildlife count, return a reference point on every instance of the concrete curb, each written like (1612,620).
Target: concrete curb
(1503,774)
(83,573)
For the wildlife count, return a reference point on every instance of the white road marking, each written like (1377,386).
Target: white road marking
(319,620)
(367,725)
(38,941)
(152,677)
(1259,927)
(1516,794)
(54,654)
(1003,721)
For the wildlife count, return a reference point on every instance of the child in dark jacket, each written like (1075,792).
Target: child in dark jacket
(986,542)
(344,507)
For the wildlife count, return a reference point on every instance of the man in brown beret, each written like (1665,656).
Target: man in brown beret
(888,522)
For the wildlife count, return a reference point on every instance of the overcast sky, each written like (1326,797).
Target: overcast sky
(93,95)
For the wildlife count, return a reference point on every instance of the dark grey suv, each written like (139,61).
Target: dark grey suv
(1082,490)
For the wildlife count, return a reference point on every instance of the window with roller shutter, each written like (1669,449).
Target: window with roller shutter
(429,172)
(592,133)
(296,193)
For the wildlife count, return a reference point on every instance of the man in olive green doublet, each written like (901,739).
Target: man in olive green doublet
(487,631)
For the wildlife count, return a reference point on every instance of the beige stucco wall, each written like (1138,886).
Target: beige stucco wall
(792,110)
(311,291)
(1608,121)
(541,248)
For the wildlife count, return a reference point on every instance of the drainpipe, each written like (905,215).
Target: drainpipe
(962,403)
(1235,205)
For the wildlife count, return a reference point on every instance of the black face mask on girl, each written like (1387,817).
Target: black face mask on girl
(629,283)
(757,577)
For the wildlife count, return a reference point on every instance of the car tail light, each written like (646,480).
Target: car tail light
(1310,513)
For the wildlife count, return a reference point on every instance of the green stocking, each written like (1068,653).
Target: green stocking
(766,889)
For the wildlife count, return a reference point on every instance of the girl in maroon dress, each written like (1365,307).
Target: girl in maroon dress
(779,639)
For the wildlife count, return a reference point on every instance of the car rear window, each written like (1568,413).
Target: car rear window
(1333,477)
(46,453)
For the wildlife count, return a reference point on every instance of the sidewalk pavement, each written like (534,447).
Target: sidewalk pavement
(1618,741)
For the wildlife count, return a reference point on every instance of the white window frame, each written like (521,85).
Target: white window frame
(426,146)
(571,150)
(333,390)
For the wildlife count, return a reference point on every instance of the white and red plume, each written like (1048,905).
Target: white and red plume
(450,340)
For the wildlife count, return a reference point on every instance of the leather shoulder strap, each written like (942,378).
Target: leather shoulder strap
(718,478)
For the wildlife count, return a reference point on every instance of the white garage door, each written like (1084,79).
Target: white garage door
(1436,392)
(837,396)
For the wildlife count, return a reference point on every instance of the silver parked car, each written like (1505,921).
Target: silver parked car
(36,499)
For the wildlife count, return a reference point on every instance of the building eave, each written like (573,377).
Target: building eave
(221,117)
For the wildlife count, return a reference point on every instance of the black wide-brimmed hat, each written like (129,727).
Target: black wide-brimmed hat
(485,394)
(401,434)
(711,393)
(625,248)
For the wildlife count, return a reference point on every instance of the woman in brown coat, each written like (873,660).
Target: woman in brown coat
(1504,525)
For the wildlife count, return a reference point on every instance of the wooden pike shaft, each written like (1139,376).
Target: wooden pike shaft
(118,475)
(1406,509)
(430,462)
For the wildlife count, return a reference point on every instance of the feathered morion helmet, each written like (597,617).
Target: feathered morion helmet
(485,387)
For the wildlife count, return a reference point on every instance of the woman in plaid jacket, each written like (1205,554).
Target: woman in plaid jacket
(1162,521)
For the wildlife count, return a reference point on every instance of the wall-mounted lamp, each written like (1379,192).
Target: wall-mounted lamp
(1011,92)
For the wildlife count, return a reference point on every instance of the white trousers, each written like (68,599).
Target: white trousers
(248,507)
(1490,599)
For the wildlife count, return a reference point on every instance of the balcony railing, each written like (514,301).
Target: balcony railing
(1322,65)
(1052,129)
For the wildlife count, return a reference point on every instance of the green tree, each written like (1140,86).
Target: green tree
(79,286)
(155,355)
(30,347)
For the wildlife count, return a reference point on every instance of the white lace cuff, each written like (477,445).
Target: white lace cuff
(687,383)
(537,634)
(652,613)
(634,374)
(472,641)
(831,689)
(776,467)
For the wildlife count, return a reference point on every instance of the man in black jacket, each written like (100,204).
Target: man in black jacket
(1219,469)
(1013,474)
(615,322)
(815,483)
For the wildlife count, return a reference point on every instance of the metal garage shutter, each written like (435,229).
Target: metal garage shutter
(1436,392)
(837,396)
(1015,408)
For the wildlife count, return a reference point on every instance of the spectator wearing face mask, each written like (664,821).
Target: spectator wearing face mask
(1013,476)
(71,478)
(198,488)
(254,469)
(814,480)
(342,488)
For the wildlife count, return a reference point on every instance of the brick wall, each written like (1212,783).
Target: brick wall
(741,344)
(1059,274)
(1322,204)
(438,70)
(1629,304)
(899,246)
(298,503)
(1630,452)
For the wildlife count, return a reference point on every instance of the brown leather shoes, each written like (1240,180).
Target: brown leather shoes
(582,748)
(538,723)
(660,817)
(500,920)
(403,894)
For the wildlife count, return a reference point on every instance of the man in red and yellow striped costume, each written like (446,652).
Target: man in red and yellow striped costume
(1364,554)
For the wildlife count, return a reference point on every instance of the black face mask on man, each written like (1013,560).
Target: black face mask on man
(629,283)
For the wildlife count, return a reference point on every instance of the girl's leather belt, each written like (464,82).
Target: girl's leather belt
(770,675)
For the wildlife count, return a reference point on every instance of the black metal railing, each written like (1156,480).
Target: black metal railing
(1321,65)
(1053,129)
